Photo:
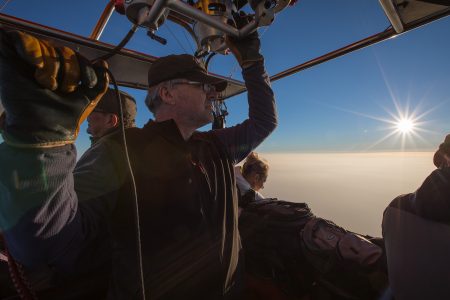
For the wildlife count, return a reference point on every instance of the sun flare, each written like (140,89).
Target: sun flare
(405,126)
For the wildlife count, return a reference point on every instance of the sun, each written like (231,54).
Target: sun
(405,125)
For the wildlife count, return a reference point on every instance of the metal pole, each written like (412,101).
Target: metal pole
(101,23)
(154,13)
(359,45)
(198,15)
(334,54)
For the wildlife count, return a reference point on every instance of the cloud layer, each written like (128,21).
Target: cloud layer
(351,189)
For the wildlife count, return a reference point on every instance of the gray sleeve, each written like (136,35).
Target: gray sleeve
(38,209)
(41,216)
(241,139)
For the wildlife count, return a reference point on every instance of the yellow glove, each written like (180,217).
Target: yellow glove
(57,68)
(45,110)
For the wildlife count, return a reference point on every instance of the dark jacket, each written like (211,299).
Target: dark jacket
(187,208)
(416,231)
(54,215)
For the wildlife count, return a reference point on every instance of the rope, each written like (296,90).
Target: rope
(127,158)
(176,39)
(134,188)
(188,41)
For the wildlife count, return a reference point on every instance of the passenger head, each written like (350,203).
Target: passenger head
(106,114)
(441,158)
(181,89)
(255,170)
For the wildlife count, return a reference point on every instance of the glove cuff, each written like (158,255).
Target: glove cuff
(32,142)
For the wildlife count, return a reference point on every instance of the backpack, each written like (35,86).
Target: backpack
(306,255)
(349,265)
(270,232)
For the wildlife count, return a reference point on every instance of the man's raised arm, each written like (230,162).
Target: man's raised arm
(241,139)
(44,104)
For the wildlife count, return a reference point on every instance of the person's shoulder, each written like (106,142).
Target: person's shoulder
(441,174)
(111,145)
(117,136)
(431,200)
(404,202)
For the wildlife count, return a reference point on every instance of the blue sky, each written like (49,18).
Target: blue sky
(333,107)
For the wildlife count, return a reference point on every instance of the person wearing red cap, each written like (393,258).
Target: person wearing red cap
(186,191)
(416,231)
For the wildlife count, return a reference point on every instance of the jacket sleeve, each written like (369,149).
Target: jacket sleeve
(416,234)
(241,139)
(41,216)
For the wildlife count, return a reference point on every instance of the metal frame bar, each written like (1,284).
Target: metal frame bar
(21,24)
(190,12)
(101,23)
(392,15)
(81,43)
(109,9)
(379,37)
(184,9)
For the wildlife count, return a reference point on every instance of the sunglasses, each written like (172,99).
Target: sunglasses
(206,87)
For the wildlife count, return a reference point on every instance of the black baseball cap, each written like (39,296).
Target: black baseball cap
(183,66)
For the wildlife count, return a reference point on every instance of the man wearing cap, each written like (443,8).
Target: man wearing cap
(104,130)
(416,231)
(186,192)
